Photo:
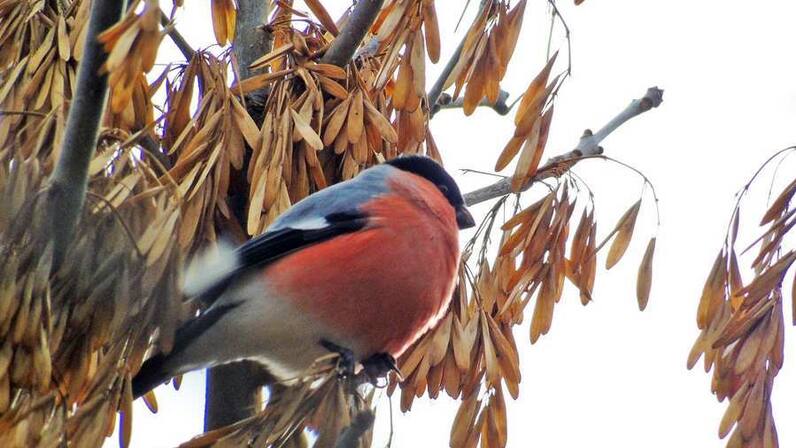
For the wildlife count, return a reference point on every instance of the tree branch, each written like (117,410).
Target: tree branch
(439,84)
(499,106)
(361,423)
(182,44)
(69,180)
(588,145)
(358,24)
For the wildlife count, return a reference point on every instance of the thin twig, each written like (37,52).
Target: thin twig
(182,44)
(588,145)
(22,112)
(556,12)
(346,43)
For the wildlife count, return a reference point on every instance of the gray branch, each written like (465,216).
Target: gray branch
(69,180)
(588,145)
(499,106)
(439,84)
(251,38)
(345,44)
(182,44)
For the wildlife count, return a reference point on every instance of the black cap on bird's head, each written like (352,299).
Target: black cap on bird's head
(434,172)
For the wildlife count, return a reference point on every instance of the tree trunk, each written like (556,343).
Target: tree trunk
(233,390)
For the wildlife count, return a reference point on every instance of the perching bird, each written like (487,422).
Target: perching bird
(363,268)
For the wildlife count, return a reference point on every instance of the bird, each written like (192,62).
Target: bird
(362,268)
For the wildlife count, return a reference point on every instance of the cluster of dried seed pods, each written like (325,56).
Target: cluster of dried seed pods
(71,332)
(216,170)
(485,53)
(319,401)
(743,328)
(533,119)
(132,45)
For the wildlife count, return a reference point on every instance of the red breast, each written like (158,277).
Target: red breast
(385,285)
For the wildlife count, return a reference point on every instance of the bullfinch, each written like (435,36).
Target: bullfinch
(363,268)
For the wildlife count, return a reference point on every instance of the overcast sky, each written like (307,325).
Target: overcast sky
(607,374)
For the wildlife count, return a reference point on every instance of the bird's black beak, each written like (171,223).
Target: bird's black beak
(463,218)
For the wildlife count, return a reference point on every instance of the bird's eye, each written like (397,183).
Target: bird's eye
(443,188)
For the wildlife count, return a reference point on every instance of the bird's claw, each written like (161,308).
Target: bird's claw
(378,366)
(373,368)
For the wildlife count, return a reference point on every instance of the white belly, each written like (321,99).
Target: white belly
(269,330)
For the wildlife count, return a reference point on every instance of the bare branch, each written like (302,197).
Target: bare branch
(499,106)
(69,180)
(182,44)
(588,145)
(358,24)
(361,423)
(439,84)
(22,112)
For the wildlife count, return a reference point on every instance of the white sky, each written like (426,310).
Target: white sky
(608,375)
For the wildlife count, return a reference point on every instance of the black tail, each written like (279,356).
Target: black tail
(153,373)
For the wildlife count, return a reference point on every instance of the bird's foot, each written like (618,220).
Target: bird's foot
(347,363)
(378,366)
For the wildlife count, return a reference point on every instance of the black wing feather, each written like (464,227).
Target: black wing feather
(153,372)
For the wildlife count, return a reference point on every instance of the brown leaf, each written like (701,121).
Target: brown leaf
(335,122)
(754,409)
(332,87)
(223,12)
(403,85)
(307,133)
(264,60)
(734,410)
(780,204)
(510,35)
(509,152)
(329,70)
(644,281)
(355,122)
(463,423)
(490,356)
(418,62)
(431,27)
(793,300)
(525,165)
(63,39)
(126,425)
(257,82)
(624,232)
(381,123)
(323,16)
(535,88)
